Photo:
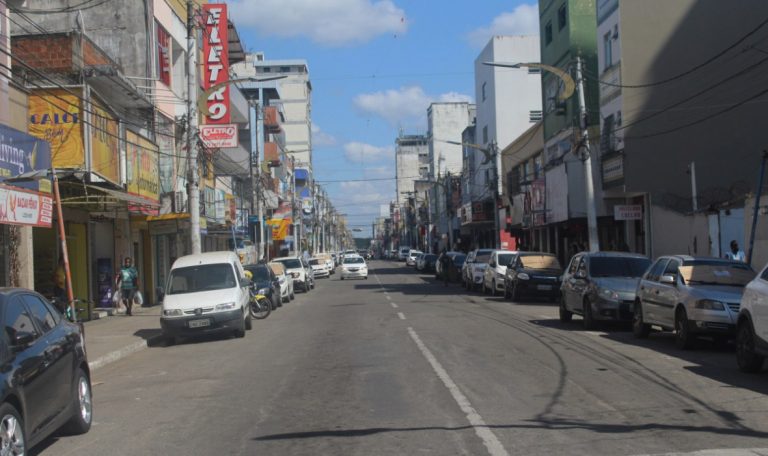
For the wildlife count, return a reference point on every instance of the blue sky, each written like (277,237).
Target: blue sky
(375,65)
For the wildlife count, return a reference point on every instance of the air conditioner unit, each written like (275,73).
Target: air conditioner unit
(178,202)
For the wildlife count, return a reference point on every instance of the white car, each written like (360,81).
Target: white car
(413,255)
(494,275)
(474,267)
(299,271)
(286,282)
(207,292)
(319,268)
(354,267)
(402,253)
(752,325)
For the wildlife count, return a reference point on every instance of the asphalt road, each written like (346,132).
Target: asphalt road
(400,365)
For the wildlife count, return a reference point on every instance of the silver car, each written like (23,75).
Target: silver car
(692,296)
(601,286)
(474,267)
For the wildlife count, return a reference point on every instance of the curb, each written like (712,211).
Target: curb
(117,355)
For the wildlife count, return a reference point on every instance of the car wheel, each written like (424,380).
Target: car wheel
(587,318)
(515,293)
(640,329)
(746,357)
(683,337)
(507,294)
(12,436)
(240,331)
(292,296)
(493,288)
(341,278)
(565,315)
(170,341)
(82,406)
(248,322)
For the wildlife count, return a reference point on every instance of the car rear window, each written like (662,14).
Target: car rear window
(205,277)
(353,260)
(260,273)
(314,262)
(483,257)
(618,266)
(540,262)
(291,263)
(703,272)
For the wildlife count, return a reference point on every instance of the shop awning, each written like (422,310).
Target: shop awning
(127,197)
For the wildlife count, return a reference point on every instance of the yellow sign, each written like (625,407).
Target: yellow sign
(279,228)
(54,115)
(142,172)
(104,144)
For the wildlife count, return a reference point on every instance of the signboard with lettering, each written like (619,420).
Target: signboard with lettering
(21,153)
(24,207)
(628,212)
(54,116)
(216,62)
(142,171)
(219,136)
(104,143)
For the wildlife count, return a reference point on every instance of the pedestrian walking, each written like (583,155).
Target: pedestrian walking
(736,254)
(444,263)
(128,282)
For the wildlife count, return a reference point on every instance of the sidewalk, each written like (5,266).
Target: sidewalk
(115,337)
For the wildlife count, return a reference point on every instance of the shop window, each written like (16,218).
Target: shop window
(562,17)
(548,33)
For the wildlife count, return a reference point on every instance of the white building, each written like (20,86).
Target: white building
(508,99)
(411,163)
(446,122)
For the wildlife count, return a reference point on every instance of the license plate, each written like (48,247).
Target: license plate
(544,287)
(199,323)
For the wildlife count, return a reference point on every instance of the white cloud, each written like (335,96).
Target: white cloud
(403,106)
(524,20)
(358,152)
(321,138)
(327,22)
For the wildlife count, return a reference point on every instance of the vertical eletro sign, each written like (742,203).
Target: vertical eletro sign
(216,62)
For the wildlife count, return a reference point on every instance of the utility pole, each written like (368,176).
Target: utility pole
(496,165)
(694,195)
(193,188)
(594,241)
(755,212)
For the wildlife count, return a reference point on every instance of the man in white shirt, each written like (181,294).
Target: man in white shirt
(735,254)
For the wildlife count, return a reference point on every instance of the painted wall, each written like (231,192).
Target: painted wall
(446,122)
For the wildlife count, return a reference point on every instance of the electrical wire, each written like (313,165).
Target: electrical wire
(69,9)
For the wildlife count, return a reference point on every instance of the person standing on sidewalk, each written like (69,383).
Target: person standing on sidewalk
(128,281)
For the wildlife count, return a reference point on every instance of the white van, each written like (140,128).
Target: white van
(206,293)
(402,254)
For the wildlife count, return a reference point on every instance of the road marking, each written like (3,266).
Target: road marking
(596,333)
(394,306)
(400,314)
(495,448)
(387,296)
(543,317)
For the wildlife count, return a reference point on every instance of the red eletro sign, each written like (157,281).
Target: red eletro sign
(219,136)
(216,65)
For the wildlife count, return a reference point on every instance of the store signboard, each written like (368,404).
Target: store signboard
(105,159)
(219,136)
(21,153)
(628,212)
(54,116)
(216,63)
(142,172)
(24,207)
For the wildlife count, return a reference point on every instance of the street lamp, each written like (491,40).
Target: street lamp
(568,88)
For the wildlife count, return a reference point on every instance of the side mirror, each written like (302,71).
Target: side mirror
(492,264)
(22,339)
(668,279)
(581,274)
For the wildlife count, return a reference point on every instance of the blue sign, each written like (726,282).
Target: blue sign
(21,153)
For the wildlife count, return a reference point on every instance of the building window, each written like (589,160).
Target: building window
(562,19)
(163,55)
(548,33)
(483,91)
(485,134)
(285,69)
(267,69)
(535,116)
(538,166)
(608,49)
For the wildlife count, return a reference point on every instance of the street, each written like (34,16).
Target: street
(399,364)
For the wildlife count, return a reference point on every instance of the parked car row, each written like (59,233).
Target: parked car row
(694,297)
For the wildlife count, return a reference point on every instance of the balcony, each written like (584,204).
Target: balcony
(271,154)
(271,119)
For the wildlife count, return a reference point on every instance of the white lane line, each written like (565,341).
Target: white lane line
(543,317)
(401,315)
(595,333)
(394,306)
(495,448)
(387,296)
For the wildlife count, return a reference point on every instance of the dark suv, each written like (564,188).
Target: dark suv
(265,282)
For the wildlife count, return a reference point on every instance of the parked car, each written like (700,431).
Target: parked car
(752,325)
(601,286)
(206,292)
(303,279)
(45,381)
(426,262)
(455,262)
(493,275)
(439,264)
(533,274)
(692,296)
(328,260)
(286,282)
(265,282)
(354,267)
(412,257)
(474,267)
(319,268)
(402,253)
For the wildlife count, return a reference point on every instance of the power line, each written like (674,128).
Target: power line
(69,9)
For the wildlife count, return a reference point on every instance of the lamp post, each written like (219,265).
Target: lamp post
(569,85)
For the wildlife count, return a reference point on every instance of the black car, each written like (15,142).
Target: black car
(429,262)
(44,376)
(533,274)
(265,282)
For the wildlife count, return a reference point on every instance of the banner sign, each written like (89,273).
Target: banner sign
(105,158)
(55,117)
(216,62)
(279,228)
(219,136)
(21,153)
(23,207)
(142,171)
